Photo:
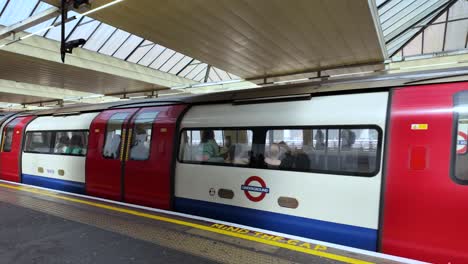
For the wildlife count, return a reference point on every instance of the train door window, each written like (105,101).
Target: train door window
(38,142)
(8,135)
(113,139)
(142,133)
(460,138)
(226,146)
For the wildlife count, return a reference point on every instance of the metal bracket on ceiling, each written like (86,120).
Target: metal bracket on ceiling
(68,46)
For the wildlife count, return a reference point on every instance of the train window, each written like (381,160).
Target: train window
(141,139)
(460,162)
(8,135)
(71,142)
(38,142)
(221,146)
(338,151)
(112,143)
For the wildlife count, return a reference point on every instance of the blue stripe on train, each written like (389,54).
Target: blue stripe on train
(62,185)
(353,236)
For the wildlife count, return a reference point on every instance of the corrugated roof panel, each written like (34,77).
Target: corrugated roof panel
(432,30)
(162,59)
(200,76)
(223,75)
(414,47)
(56,33)
(187,70)
(407,15)
(173,61)
(181,64)
(459,10)
(141,51)
(214,77)
(41,7)
(16,11)
(85,29)
(100,36)
(456,35)
(114,42)
(129,45)
(433,38)
(151,55)
(195,71)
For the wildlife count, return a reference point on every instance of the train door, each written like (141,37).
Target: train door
(12,135)
(426,191)
(130,155)
(106,147)
(148,159)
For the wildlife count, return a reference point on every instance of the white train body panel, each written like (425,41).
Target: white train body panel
(73,167)
(341,199)
(60,171)
(66,122)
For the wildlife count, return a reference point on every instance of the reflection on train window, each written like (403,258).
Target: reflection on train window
(141,139)
(57,142)
(224,146)
(38,142)
(71,142)
(111,148)
(352,151)
(460,169)
(8,134)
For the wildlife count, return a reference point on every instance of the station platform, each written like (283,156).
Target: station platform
(44,226)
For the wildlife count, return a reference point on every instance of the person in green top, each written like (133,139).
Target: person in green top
(208,147)
(76,146)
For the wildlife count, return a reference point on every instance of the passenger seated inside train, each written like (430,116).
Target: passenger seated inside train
(286,156)
(228,150)
(140,148)
(319,140)
(76,145)
(272,156)
(208,150)
(62,144)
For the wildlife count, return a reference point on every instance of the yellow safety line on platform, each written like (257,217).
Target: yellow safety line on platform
(198,226)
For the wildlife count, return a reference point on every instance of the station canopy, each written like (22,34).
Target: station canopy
(187,43)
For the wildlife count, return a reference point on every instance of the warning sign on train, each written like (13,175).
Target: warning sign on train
(461,142)
(255,188)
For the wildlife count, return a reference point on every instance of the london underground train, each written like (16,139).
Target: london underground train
(382,169)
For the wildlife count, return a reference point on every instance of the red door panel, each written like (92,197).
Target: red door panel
(12,136)
(148,177)
(425,211)
(106,152)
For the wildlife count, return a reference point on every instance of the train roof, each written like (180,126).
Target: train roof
(277,92)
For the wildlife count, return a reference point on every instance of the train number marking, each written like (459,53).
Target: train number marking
(248,189)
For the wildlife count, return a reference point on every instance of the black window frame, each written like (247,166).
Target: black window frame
(134,119)
(53,141)
(122,135)
(250,165)
(453,149)
(259,142)
(13,122)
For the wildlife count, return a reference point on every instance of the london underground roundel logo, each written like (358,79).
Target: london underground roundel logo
(251,189)
(461,142)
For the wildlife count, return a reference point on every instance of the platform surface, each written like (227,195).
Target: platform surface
(44,226)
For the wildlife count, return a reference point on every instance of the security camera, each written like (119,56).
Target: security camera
(79,4)
(70,45)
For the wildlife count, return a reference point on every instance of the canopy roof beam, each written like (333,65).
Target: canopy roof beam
(29,22)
